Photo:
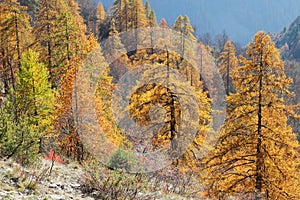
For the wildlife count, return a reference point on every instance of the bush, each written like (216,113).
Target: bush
(121,159)
(103,183)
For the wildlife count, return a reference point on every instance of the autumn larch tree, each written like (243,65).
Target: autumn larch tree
(138,19)
(60,35)
(227,61)
(72,47)
(45,32)
(15,34)
(111,49)
(183,26)
(257,155)
(185,168)
(121,11)
(221,40)
(101,14)
(163,23)
(150,14)
(88,11)
(100,21)
(104,92)
(147,9)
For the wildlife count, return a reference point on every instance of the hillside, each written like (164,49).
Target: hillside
(115,104)
(240,19)
(72,181)
(289,41)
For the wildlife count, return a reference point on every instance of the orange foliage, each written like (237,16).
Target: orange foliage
(53,156)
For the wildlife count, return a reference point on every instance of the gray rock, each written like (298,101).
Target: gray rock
(57,197)
(53,185)
(75,185)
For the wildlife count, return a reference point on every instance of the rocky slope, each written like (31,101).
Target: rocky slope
(65,182)
(17,182)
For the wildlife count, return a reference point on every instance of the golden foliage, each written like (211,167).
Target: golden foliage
(256,154)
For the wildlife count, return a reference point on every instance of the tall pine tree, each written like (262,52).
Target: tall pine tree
(31,119)
(227,62)
(15,34)
(112,48)
(256,155)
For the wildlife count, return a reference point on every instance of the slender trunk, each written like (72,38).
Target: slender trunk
(259,153)
(186,73)
(12,74)
(49,40)
(182,45)
(126,16)
(228,73)
(5,82)
(152,42)
(168,67)
(201,63)
(16,118)
(191,76)
(172,108)
(136,27)
(35,113)
(78,144)
(18,40)
(52,163)
(49,50)
(68,41)
(14,90)
(174,144)
(5,74)
(120,17)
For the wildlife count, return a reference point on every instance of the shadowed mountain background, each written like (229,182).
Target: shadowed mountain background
(289,40)
(240,19)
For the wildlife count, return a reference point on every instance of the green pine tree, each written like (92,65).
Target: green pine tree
(31,119)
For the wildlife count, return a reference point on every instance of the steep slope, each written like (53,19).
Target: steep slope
(289,41)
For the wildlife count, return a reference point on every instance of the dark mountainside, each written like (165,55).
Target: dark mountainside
(240,19)
(289,41)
